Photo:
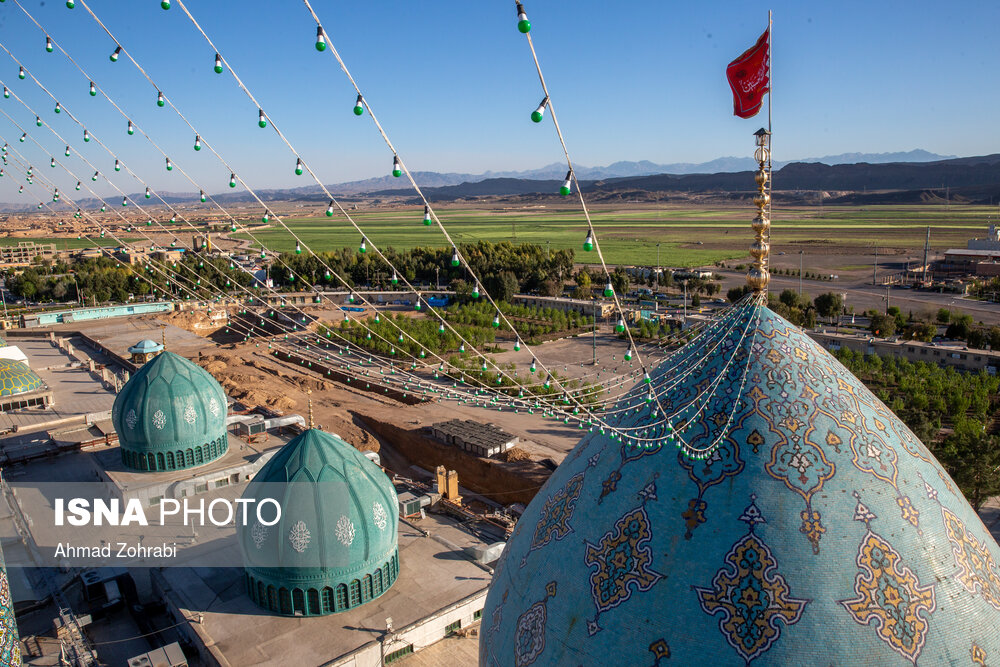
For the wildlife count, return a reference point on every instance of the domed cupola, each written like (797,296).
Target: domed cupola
(17,378)
(170,415)
(335,545)
(753,503)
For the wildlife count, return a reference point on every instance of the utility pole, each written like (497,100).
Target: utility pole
(927,244)
(437,277)
(875,268)
(887,298)
(685,304)
(595,332)
(657,261)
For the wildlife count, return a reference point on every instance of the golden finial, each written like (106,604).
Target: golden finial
(311,423)
(758,276)
(163,338)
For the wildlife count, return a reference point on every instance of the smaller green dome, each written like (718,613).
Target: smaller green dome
(171,415)
(17,378)
(335,546)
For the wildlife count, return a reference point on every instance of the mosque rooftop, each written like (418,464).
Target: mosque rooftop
(434,575)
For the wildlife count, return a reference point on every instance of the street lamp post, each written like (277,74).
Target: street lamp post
(800,273)
(657,259)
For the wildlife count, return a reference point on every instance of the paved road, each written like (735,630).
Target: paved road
(862,296)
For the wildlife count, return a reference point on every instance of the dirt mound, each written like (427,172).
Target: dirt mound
(514,454)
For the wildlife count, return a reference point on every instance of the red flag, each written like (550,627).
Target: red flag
(749,77)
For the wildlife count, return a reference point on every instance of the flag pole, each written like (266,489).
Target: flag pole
(770,136)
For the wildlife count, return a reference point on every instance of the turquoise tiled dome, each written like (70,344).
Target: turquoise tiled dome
(171,415)
(819,531)
(17,378)
(335,546)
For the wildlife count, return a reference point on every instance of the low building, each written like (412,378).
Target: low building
(24,253)
(950,355)
(479,439)
(588,307)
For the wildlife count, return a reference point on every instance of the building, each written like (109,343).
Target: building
(144,350)
(24,253)
(790,519)
(335,547)
(474,437)
(980,257)
(590,307)
(170,415)
(10,644)
(949,355)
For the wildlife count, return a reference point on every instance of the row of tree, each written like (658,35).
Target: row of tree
(951,413)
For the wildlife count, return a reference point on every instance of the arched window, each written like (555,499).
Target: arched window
(378,581)
(355,593)
(366,588)
(272,597)
(189,457)
(199,456)
(285,601)
(313,598)
(160,465)
(328,605)
(341,597)
(150,461)
(387,575)
(170,461)
(261,594)
(298,601)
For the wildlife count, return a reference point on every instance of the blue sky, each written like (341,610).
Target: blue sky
(453,83)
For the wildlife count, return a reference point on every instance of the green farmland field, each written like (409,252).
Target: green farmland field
(629,236)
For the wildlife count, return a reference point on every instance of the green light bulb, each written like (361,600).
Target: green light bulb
(609,291)
(124,201)
(70,4)
(261,120)
(588,243)
(93,89)
(104,208)
(567,184)
(298,251)
(159,99)
(359,107)
(78,185)
(397,169)
(264,218)
(38,121)
(58,108)
(427,215)
(148,193)
(165,4)
(620,327)
(232,180)
(517,345)
(131,128)
(523,24)
(320,39)
(86,136)
(538,114)
(298,167)
(23,137)
(114,56)
(218,64)
(118,165)
(203,198)
(475,291)
(94,177)
(628,355)
(52,162)
(455,261)
(197,142)
(329,210)
(66,153)
(395,278)
(20,73)
(6,93)
(362,248)
(170,165)
(496,321)
(48,43)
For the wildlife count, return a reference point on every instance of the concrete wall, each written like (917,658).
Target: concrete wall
(947,356)
(419,635)
(100,313)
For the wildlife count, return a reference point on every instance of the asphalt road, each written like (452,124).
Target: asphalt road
(863,295)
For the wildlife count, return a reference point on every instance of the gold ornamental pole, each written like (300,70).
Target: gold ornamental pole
(758,276)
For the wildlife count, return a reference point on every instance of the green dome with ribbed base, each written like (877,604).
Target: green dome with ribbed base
(335,545)
(17,378)
(170,415)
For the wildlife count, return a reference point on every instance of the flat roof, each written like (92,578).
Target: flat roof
(434,574)
(972,253)
(485,435)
